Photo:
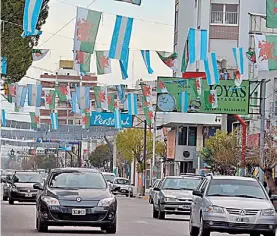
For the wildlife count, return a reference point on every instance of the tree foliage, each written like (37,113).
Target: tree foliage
(130,144)
(222,152)
(18,50)
(101,156)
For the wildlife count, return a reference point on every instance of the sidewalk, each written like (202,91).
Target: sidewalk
(146,197)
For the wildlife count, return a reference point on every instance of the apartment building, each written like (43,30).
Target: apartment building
(227,22)
(65,76)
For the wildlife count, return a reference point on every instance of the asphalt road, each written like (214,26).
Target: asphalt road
(134,219)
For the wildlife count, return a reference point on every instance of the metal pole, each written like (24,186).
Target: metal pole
(154,152)
(144,157)
(262,128)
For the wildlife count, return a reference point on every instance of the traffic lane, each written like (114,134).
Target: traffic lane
(134,219)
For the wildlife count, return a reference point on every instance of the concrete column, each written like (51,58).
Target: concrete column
(224,122)
(199,144)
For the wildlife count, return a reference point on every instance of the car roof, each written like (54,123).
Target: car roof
(74,169)
(26,172)
(108,173)
(227,177)
(121,178)
(184,177)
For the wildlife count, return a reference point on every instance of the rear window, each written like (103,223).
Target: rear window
(122,181)
(181,183)
(236,188)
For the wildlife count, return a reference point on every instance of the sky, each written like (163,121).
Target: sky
(152,30)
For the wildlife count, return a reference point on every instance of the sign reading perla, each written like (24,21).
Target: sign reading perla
(107,119)
(196,96)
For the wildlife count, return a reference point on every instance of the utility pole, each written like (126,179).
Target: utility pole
(262,128)
(144,157)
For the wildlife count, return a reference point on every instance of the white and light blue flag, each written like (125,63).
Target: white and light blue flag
(21,94)
(121,38)
(198,45)
(30,18)
(3,118)
(34,95)
(146,57)
(211,69)
(3,65)
(54,120)
(121,92)
(132,104)
(75,104)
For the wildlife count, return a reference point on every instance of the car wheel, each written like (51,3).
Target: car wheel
(203,231)
(41,227)
(5,198)
(161,214)
(111,228)
(193,231)
(267,234)
(131,195)
(11,201)
(155,212)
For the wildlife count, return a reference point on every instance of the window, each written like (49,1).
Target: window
(224,14)
(70,122)
(122,181)
(192,134)
(182,136)
(181,183)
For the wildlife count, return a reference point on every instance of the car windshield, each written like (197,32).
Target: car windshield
(122,181)
(236,188)
(77,180)
(156,182)
(27,178)
(181,183)
(109,178)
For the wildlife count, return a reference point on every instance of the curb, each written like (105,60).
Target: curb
(142,197)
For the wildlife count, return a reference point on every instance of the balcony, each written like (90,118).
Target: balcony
(224,18)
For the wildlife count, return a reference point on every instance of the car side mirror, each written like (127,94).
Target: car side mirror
(37,186)
(157,189)
(149,186)
(273,198)
(197,193)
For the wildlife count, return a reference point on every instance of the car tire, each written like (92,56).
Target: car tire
(150,200)
(111,228)
(41,227)
(203,231)
(5,198)
(131,195)
(268,233)
(11,201)
(155,213)
(161,214)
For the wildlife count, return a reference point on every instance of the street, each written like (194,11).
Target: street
(134,219)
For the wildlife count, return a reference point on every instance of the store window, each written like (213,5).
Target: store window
(192,136)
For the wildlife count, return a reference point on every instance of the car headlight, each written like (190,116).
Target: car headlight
(214,209)
(106,201)
(170,199)
(268,212)
(50,201)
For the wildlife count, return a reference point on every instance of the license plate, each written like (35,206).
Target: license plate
(124,191)
(28,195)
(184,206)
(242,219)
(79,212)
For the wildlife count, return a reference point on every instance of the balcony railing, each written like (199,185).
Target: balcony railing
(224,18)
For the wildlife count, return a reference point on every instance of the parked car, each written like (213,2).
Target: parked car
(109,176)
(174,195)
(152,191)
(232,204)
(122,186)
(21,186)
(76,197)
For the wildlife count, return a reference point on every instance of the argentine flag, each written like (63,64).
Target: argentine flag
(30,18)
(34,95)
(119,48)
(197,45)
(211,69)
(239,58)
(184,102)
(54,120)
(132,104)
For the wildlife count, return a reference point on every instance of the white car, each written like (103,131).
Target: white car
(123,187)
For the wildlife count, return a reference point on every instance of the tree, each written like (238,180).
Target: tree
(18,50)
(222,152)
(130,144)
(270,157)
(100,157)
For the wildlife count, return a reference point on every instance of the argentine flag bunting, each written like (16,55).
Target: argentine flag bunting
(146,57)
(184,102)
(3,118)
(30,18)
(211,69)
(121,38)
(34,95)
(239,58)
(54,121)
(132,104)
(198,45)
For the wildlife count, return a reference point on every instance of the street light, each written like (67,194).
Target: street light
(12,152)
